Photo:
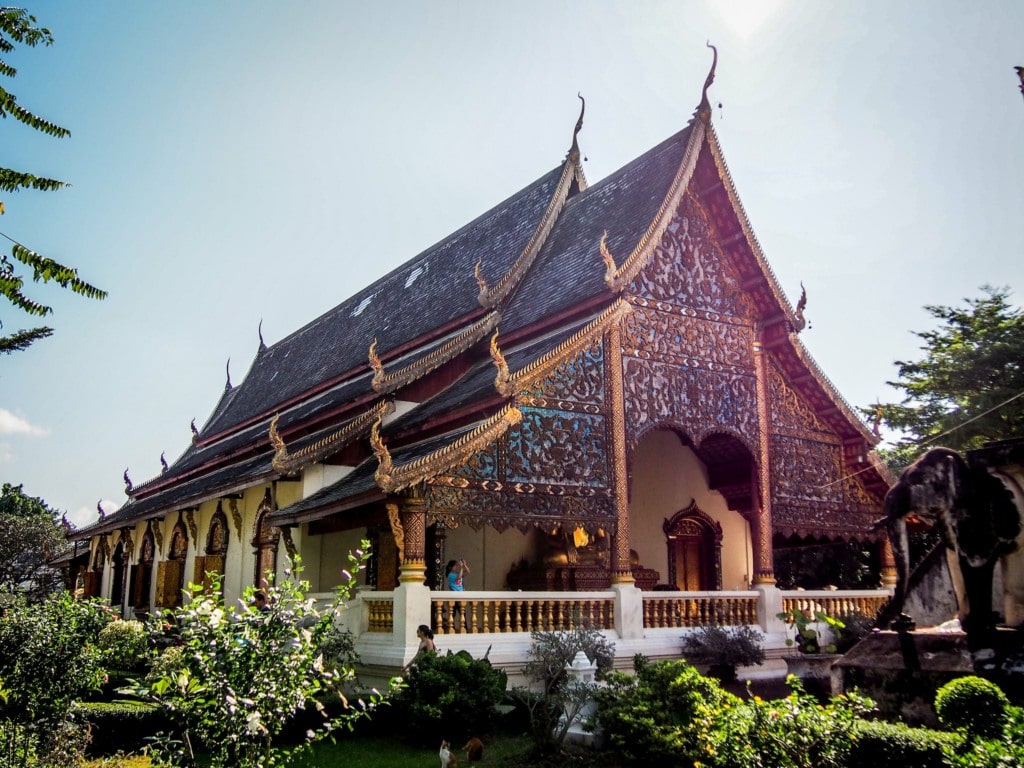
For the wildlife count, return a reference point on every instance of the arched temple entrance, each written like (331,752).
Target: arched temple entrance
(689,508)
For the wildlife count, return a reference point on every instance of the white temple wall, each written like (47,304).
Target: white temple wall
(667,476)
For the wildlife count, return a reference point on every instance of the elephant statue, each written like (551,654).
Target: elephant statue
(979,514)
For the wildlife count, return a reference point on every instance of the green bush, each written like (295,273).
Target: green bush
(453,696)
(122,726)
(724,649)
(48,659)
(974,705)
(659,716)
(168,663)
(882,744)
(795,732)
(124,644)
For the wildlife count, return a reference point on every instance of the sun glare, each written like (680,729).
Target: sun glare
(746,17)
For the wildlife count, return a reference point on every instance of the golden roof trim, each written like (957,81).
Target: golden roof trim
(391,478)
(389,382)
(618,278)
(795,321)
(494,295)
(509,384)
(287,463)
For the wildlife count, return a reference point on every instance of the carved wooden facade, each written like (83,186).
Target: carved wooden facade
(506,376)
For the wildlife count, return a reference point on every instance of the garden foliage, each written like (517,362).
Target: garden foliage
(973,705)
(795,732)
(124,645)
(246,673)
(554,699)
(451,696)
(49,657)
(723,649)
(662,715)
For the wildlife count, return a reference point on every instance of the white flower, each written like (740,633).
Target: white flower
(252,722)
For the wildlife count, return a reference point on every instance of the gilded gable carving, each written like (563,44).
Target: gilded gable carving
(522,506)
(557,447)
(688,268)
(579,379)
(681,335)
(804,469)
(790,412)
(700,401)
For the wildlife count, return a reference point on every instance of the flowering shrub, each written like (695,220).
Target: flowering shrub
(248,672)
(794,732)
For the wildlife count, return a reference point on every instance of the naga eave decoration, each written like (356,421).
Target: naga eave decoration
(391,478)
(288,463)
(508,384)
(388,382)
(492,296)
(618,278)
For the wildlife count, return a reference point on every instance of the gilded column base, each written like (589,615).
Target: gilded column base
(623,577)
(413,572)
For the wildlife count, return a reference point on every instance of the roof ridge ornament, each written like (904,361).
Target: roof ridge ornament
(611,272)
(263,344)
(128,487)
(163,462)
(99,508)
(375,364)
(801,321)
(574,150)
(481,281)
(501,379)
(195,432)
(227,372)
(704,110)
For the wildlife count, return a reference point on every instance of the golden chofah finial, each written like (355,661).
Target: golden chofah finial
(501,380)
(380,451)
(610,270)
(574,150)
(876,425)
(704,110)
(480,279)
(801,305)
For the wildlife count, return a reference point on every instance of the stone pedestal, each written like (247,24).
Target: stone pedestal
(903,670)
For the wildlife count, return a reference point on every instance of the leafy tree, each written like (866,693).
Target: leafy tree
(18,27)
(967,387)
(30,536)
(245,673)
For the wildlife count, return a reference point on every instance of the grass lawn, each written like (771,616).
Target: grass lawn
(377,751)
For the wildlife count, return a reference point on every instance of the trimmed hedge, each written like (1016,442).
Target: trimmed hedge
(973,704)
(120,726)
(882,744)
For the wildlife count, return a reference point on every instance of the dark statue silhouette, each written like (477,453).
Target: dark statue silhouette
(979,520)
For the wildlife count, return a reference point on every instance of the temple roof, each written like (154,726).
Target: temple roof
(540,278)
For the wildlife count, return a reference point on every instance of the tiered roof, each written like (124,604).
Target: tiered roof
(398,373)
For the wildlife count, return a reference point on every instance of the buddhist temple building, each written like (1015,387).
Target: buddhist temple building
(595,394)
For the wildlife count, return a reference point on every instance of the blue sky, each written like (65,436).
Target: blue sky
(239,161)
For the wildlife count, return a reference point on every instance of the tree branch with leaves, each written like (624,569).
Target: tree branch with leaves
(968,387)
(19,28)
